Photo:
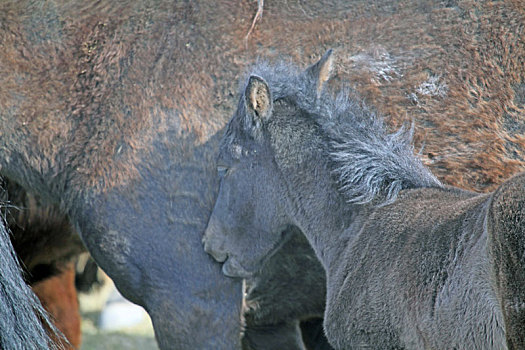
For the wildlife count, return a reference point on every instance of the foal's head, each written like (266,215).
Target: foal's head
(251,213)
(287,145)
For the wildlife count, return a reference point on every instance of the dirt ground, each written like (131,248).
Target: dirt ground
(137,337)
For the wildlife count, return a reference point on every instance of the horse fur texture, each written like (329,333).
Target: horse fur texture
(23,320)
(369,161)
(46,244)
(111,112)
(435,267)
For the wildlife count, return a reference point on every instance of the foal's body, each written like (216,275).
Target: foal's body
(415,274)
(409,263)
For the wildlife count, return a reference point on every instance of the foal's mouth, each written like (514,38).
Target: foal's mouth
(219,257)
(231,268)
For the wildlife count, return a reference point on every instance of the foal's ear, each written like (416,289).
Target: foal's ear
(322,70)
(258,98)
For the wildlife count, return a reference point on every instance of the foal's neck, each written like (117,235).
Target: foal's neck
(321,211)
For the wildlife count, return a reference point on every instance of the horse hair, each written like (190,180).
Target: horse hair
(370,163)
(22,317)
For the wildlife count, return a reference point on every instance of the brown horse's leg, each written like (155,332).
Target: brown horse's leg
(59,297)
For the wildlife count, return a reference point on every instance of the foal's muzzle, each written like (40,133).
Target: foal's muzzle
(217,255)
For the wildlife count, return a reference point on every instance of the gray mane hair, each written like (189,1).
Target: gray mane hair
(370,163)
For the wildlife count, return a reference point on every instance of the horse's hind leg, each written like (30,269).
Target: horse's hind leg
(506,232)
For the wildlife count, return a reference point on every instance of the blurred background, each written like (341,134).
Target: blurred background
(108,320)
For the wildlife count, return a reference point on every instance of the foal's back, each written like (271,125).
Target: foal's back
(417,276)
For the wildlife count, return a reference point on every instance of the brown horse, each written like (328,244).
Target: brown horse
(109,112)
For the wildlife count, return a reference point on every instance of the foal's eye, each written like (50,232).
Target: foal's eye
(222,170)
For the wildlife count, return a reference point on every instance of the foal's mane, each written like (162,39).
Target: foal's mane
(370,163)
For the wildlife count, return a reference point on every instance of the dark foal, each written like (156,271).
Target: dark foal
(409,263)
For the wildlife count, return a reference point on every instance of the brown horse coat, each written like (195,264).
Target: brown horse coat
(100,101)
